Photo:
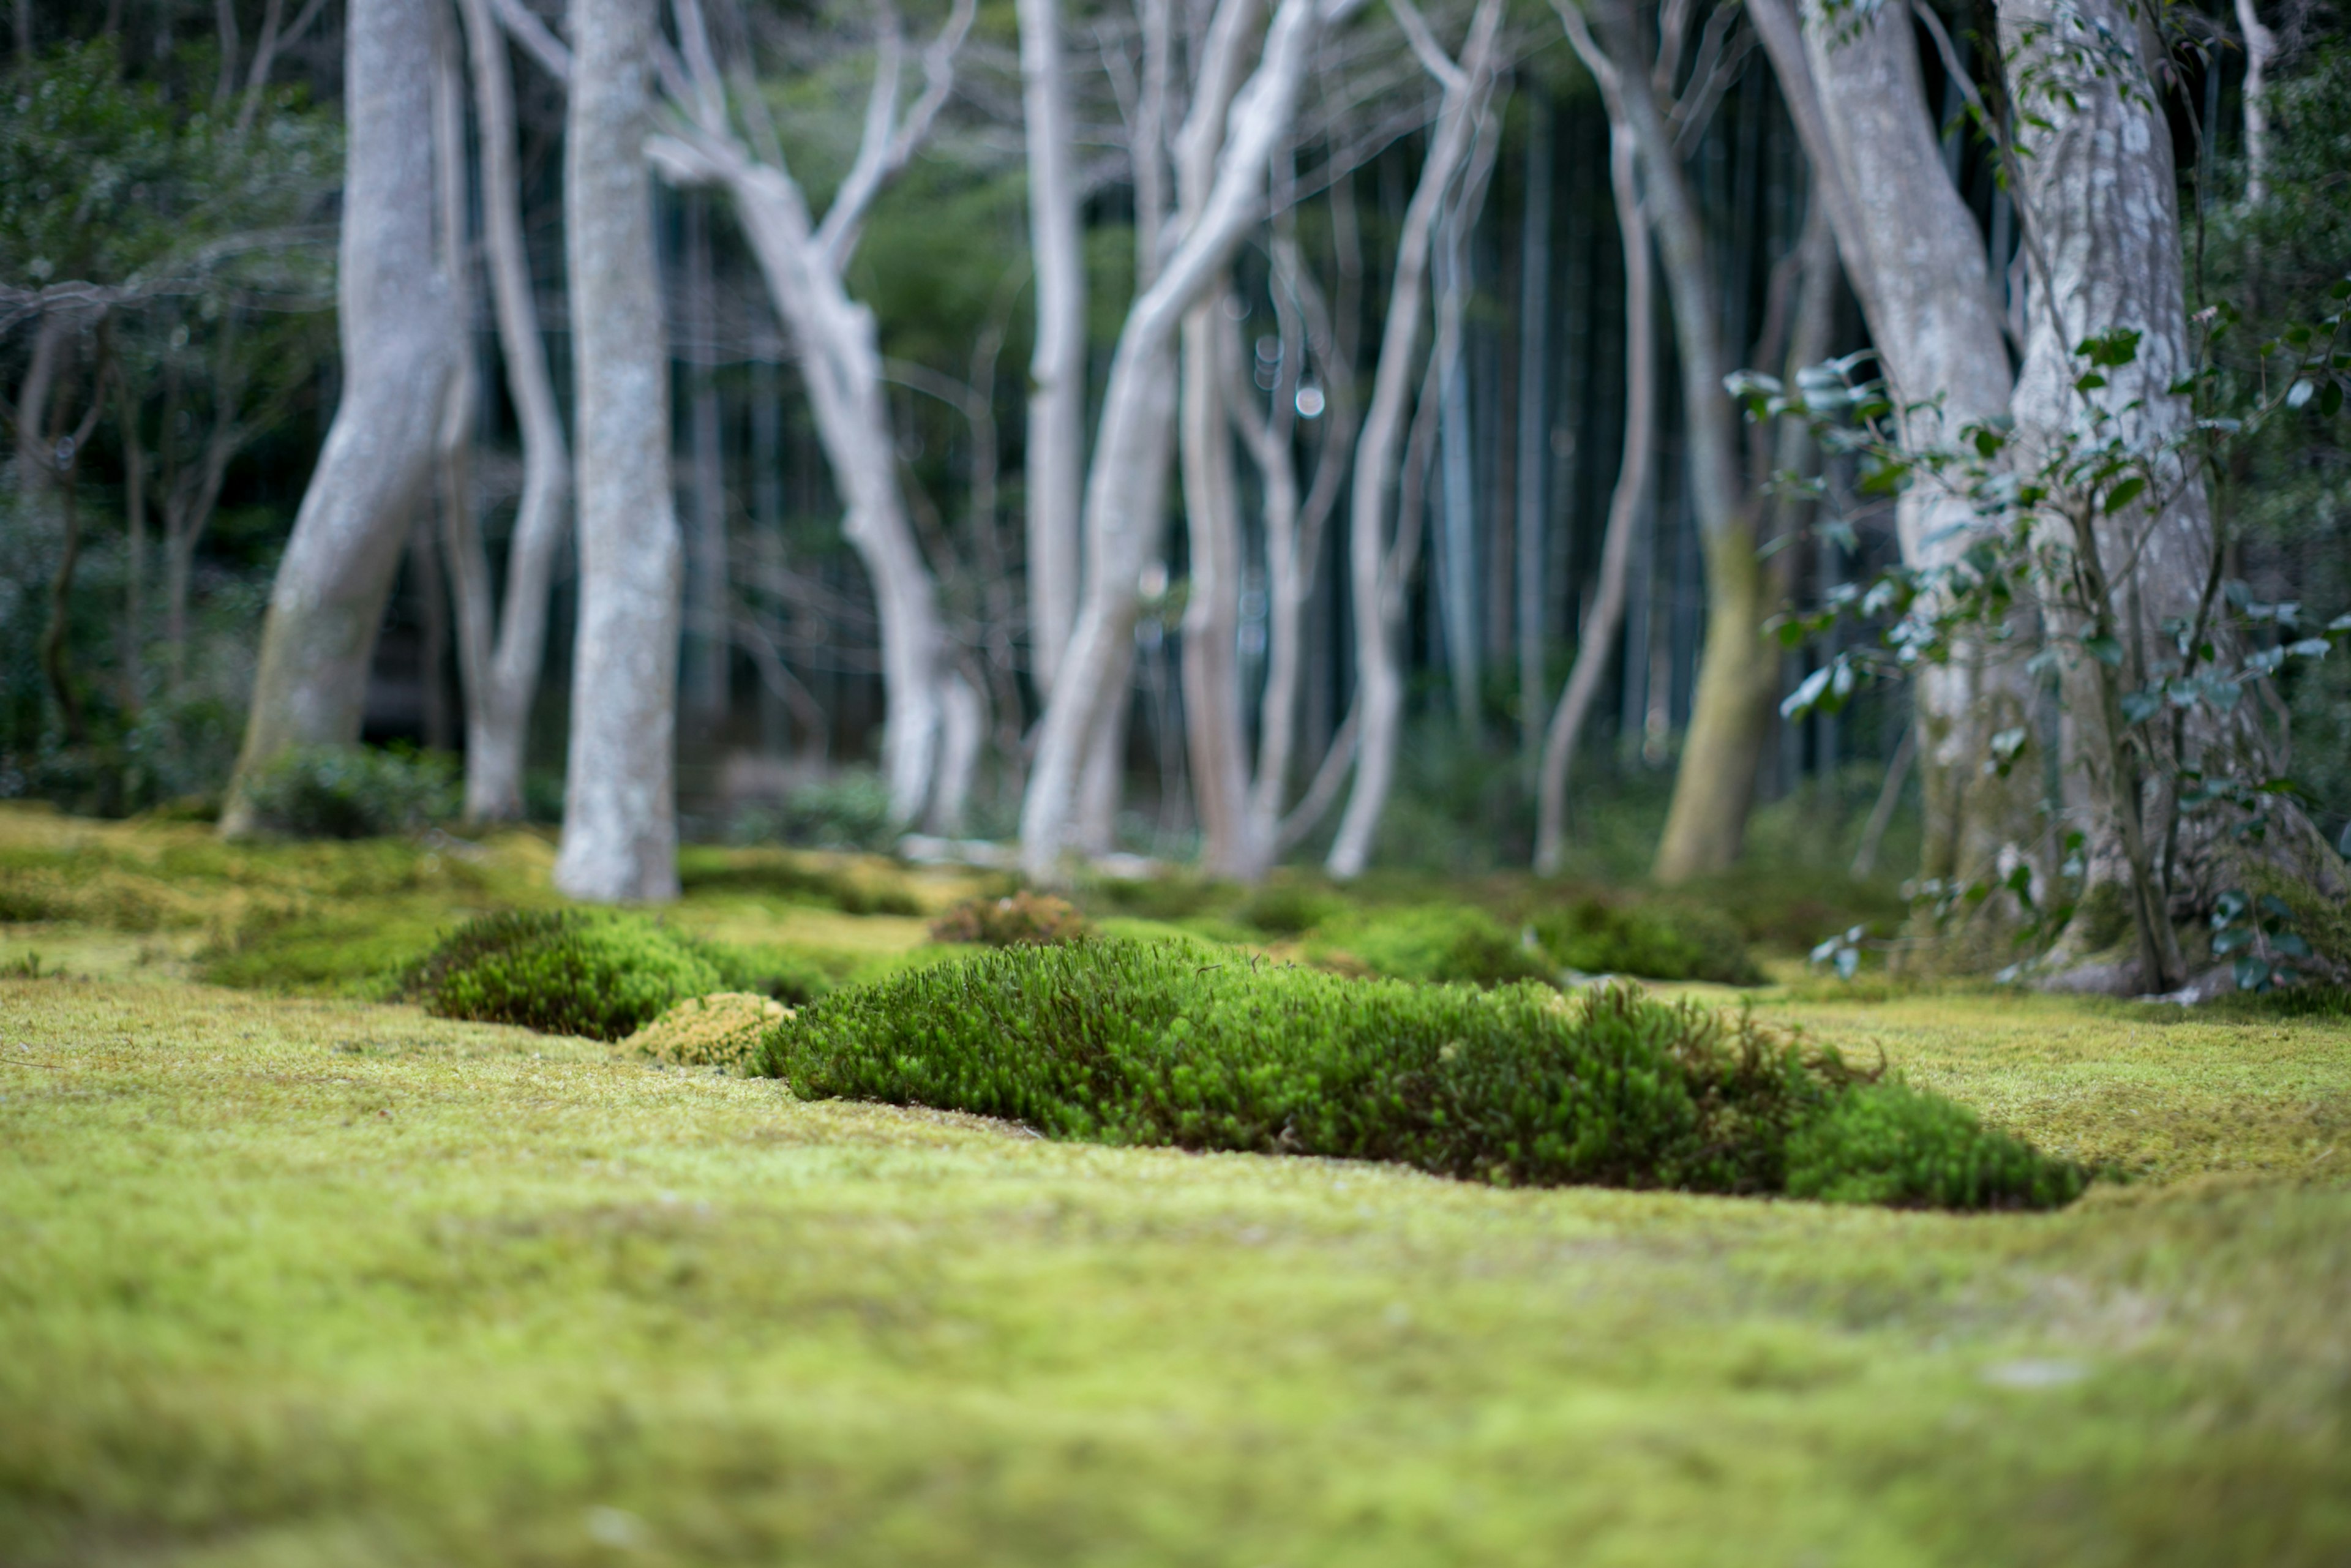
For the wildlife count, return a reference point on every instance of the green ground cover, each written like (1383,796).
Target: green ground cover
(287,1279)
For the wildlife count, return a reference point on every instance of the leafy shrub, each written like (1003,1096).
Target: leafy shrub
(780,873)
(354,792)
(1035,919)
(1438,942)
(1142,1043)
(722,1030)
(1890,1143)
(847,812)
(1657,941)
(597,974)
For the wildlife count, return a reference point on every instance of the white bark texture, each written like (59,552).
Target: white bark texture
(2260,48)
(498,705)
(839,355)
(319,635)
(1375,579)
(619,824)
(1915,259)
(1127,484)
(1057,365)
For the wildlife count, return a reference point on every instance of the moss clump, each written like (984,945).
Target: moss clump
(1657,941)
(1029,919)
(354,792)
(601,975)
(722,1030)
(1433,942)
(1143,1043)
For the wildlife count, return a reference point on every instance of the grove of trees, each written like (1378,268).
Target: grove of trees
(1347,432)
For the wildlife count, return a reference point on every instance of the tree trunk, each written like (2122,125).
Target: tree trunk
(1913,253)
(1375,584)
(707,577)
(1595,641)
(619,824)
(1457,556)
(1127,484)
(1217,738)
(1057,366)
(497,704)
(319,635)
(1534,365)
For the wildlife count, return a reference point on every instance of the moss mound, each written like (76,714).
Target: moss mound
(722,1030)
(1143,1043)
(1431,942)
(1030,919)
(1657,941)
(597,974)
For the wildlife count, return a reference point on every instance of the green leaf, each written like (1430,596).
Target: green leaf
(2105,650)
(2122,495)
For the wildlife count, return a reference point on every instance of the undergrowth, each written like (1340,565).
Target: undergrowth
(602,975)
(1139,1043)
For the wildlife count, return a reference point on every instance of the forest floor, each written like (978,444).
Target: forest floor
(286,1279)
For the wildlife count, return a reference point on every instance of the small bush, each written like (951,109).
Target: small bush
(797,879)
(354,792)
(847,812)
(1033,919)
(1890,1143)
(1143,1043)
(722,1030)
(1431,943)
(601,975)
(1291,909)
(1657,941)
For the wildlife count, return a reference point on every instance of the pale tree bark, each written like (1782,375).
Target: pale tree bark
(2260,48)
(1915,259)
(1730,718)
(1215,724)
(838,344)
(1597,639)
(1127,482)
(2097,188)
(1057,365)
(320,632)
(1374,574)
(459,547)
(706,588)
(499,688)
(620,818)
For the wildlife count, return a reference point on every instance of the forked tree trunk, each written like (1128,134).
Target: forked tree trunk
(1057,366)
(497,701)
(1127,482)
(620,820)
(319,635)
(1595,641)
(1915,256)
(1374,579)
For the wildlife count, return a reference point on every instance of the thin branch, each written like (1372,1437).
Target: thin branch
(523,26)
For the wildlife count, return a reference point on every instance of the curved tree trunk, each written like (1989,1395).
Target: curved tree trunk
(1057,366)
(620,820)
(1373,580)
(319,635)
(497,708)
(1915,256)
(1596,643)
(1127,482)
(1216,733)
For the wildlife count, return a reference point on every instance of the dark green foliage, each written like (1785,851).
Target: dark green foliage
(355,792)
(1436,941)
(797,879)
(847,812)
(1033,919)
(1888,1142)
(1659,942)
(1289,908)
(601,975)
(1143,1043)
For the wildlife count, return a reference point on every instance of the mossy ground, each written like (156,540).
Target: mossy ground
(290,1279)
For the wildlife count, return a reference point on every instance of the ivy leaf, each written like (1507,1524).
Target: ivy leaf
(2105,650)
(2290,944)
(2251,974)
(2140,705)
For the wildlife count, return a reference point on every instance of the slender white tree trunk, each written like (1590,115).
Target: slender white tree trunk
(1534,449)
(1127,482)
(1057,366)
(319,635)
(1916,259)
(620,820)
(498,705)
(1375,581)
(2260,48)
(1595,641)
(1215,734)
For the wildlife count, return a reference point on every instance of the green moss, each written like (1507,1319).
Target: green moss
(1887,1142)
(599,975)
(1655,941)
(1133,1043)
(1429,943)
